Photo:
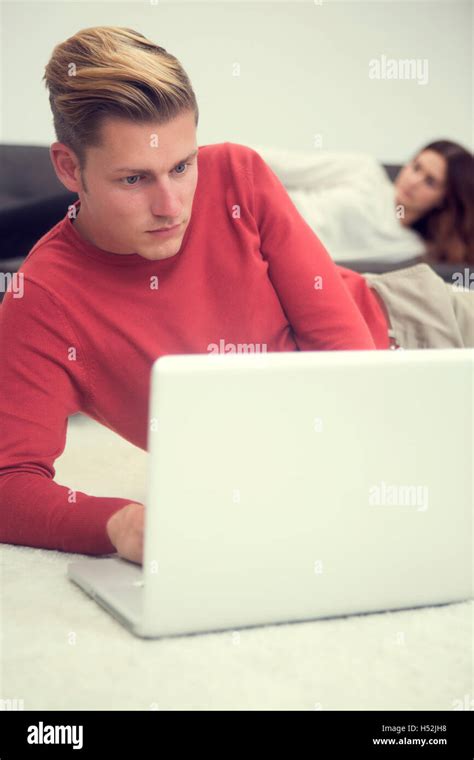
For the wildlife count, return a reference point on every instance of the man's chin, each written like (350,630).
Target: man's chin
(160,252)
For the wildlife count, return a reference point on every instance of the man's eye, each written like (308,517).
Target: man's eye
(183,163)
(133,176)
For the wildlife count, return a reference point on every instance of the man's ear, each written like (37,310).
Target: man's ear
(66,166)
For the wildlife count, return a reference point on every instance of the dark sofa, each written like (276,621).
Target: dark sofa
(32,200)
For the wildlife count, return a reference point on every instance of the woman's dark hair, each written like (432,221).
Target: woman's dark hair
(448,230)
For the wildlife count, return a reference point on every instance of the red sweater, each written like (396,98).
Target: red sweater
(88,327)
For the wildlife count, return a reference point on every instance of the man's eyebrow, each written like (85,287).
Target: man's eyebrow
(149,171)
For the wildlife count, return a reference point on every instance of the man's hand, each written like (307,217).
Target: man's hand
(125,531)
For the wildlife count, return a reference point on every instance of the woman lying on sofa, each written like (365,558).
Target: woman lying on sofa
(357,212)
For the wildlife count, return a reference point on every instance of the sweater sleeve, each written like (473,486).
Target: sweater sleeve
(42,377)
(318,305)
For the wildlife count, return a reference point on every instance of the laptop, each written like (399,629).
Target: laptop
(293,486)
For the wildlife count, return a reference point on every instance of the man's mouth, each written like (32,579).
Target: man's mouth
(165,230)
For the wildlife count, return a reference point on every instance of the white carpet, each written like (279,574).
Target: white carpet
(61,651)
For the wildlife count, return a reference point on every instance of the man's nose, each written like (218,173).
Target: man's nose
(165,202)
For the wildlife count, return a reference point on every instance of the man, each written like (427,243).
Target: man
(109,288)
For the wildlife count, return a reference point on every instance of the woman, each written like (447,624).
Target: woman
(358,213)
(436,189)
(427,213)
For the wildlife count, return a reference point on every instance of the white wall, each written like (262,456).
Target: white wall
(304,68)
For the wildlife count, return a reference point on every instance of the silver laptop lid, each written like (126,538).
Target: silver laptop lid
(290,486)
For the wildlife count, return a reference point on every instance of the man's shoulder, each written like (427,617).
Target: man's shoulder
(225,148)
(226,157)
(48,261)
(50,241)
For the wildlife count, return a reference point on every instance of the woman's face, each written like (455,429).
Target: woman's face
(420,185)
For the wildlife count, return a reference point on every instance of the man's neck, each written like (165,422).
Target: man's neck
(79,228)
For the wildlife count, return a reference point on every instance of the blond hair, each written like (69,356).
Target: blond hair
(112,71)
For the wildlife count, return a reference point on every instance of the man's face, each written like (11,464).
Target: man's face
(142,179)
